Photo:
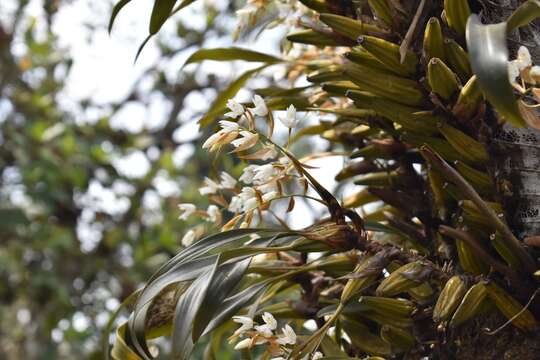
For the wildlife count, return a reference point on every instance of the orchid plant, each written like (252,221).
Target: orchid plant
(248,197)
(439,230)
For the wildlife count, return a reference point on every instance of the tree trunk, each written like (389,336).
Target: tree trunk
(517,151)
(516,173)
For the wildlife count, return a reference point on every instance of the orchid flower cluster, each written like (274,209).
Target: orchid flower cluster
(523,68)
(529,74)
(251,194)
(252,334)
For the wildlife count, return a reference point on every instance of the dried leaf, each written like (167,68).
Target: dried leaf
(529,114)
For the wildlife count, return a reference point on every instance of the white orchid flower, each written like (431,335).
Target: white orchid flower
(244,344)
(248,173)
(186,210)
(264,173)
(211,187)
(264,330)
(290,119)
(236,109)
(227,181)
(269,320)
(260,108)
(288,336)
(229,126)
(213,213)
(246,324)
(188,238)
(247,140)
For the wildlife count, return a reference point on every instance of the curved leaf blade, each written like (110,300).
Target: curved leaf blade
(218,107)
(160,13)
(181,272)
(225,280)
(233,304)
(523,15)
(120,350)
(141,47)
(136,330)
(182,5)
(120,331)
(230,54)
(186,311)
(116,9)
(189,264)
(210,245)
(488,54)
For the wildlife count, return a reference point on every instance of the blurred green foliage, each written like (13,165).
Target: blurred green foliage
(66,258)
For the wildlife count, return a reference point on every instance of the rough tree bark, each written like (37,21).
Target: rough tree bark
(516,173)
(518,150)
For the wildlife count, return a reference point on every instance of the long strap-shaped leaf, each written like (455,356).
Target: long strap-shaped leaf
(119,343)
(186,311)
(224,282)
(120,350)
(211,243)
(182,272)
(188,267)
(527,12)
(135,332)
(116,9)
(488,54)
(229,54)
(219,105)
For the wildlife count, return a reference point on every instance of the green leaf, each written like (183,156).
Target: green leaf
(187,265)
(223,283)
(488,54)
(219,105)
(182,5)
(312,37)
(331,349)
(116,9)
(523,15)
(141,47)
(233,304)
(160,13)
(378,227)
(366,341)
(211,244)
(119,343)
(317,5)
(11,217)
(229,54)
(258,246)
(228,241)
(186,311)
(283,102)
(279,91)
(182,272)
(120,350)
(135,334)
(347,26)
(311,130)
